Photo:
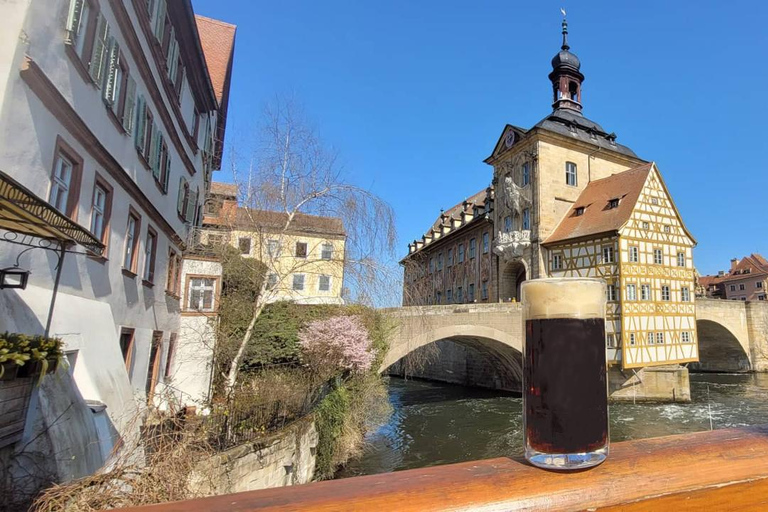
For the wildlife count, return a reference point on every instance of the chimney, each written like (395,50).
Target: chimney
(734,262)
(720,273)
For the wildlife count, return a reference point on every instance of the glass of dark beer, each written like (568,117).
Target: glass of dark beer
(565,397)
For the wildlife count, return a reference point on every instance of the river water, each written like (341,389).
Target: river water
(435,423)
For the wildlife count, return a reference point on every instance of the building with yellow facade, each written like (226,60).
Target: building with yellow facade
(303,255)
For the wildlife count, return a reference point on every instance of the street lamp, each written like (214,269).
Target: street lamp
(13,277)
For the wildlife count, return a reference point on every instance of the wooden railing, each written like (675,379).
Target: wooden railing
(719,470)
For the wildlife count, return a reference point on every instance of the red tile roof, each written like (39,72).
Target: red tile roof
(223,189)
(598,217)
(218,41)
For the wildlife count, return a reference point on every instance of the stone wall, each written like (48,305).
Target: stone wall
(284,458)
(455,363)
(653,384)
(757,326)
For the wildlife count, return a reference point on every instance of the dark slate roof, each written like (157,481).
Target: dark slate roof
(572,124)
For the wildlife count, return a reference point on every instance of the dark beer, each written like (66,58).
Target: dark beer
(565,404)
(565,391)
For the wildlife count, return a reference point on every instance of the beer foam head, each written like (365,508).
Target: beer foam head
(564,298)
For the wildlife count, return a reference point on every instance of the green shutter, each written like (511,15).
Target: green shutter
(167,171)
(140,122)
(73,20)
(160,19)
(130,105)
(180,198)
(99,53)
(170,59)
(192,206)
(154,153)
(110,77)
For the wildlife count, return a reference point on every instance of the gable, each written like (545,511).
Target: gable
(510,136)
(655,207)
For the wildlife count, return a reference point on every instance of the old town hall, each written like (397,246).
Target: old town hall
(566,199)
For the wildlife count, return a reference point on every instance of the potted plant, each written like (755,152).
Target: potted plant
(26,356)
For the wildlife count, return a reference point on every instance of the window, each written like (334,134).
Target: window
(461,253)
(665,295)
(273,248)
(659,338)
(301,249)
(271,281)
(450,257)
(101,209)
(557,262)
(507,224)
(733,287)
(611,292)
(758,284)
(484,290)
(99,49)
(153,369)
(131,242)
(471,292)
(326,251)
(324,284)
(646,225)
(170,356)
(632,339)
(613,203)
(743,298)
(65,180)
(173,279)
(448,296)
(650,338)
(579,211)
(654,201)
(459,295)
(80,18)
(215,240)
(472,248)
(244,244)
(115,79)
(657,257)
(681,259)
(160,161)
(431,265)
(486,242)
(761,297)
(631,292)
(611,343)
(126,346)
(526,218)
(645,292)
(212,207)
(608,254)
(571,177)
(685,294)
(440,261)
(667,229)
(150,249)
(685,337)
(742,287)
(298,282)
(634,254)
(526,174)
(201,293)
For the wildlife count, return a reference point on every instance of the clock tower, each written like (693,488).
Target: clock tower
(565,76)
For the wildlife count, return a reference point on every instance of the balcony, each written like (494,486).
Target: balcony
(509,245)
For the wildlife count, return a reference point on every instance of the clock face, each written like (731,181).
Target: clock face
(510,139)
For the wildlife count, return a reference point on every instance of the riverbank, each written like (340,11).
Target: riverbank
(435,423)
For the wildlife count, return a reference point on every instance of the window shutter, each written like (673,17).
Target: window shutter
(73,20)
(99,53)
(113,61)
(180,199)
(167,171)
(130,104)
(170,59)
(192,206)
(154,153)
(141,121)
(160,19)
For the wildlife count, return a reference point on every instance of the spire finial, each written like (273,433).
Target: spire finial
(565,31)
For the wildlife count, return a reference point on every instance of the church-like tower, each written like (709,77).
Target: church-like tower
(566,76)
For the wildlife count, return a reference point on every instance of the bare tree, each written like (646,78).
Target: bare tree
(288,176)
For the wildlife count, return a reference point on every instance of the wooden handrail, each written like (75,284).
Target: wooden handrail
(718,470)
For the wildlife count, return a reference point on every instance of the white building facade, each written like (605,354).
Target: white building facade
(110,112)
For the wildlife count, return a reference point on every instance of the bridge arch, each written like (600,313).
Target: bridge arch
(720,350)
(502,349)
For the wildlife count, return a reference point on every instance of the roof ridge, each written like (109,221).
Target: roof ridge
(216,21)
(633,169)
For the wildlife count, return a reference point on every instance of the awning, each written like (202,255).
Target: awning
(23,212)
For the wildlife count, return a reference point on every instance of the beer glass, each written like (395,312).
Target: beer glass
(565,402)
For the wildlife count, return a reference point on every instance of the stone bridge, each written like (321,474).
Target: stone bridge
(733,335)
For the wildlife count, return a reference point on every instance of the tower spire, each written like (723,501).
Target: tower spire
(565,31)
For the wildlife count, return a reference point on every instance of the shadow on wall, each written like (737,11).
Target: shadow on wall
(719,350)
(61,440)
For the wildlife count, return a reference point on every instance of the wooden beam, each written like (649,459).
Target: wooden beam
(700,470)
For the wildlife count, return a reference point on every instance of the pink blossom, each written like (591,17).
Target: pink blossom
(337,342)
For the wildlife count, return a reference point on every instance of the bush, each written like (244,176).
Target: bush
(329,421)
(18,349)
(337,343)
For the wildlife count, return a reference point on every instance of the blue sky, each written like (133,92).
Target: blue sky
(414,95)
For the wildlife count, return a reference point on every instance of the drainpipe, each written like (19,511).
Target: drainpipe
(62,253)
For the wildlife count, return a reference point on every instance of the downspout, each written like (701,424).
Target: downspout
(61,254)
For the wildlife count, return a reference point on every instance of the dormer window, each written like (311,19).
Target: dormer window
(613,203)
(579,211)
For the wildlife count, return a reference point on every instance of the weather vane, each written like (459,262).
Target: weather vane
(562,10)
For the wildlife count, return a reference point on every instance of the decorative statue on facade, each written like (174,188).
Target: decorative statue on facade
(512,240)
